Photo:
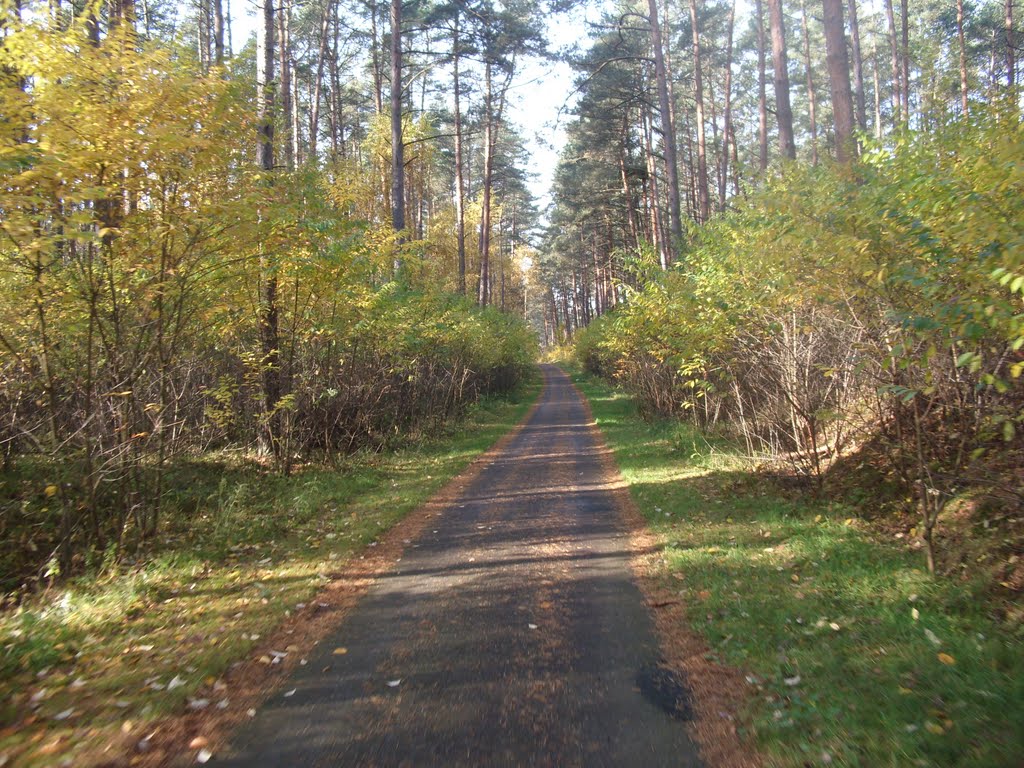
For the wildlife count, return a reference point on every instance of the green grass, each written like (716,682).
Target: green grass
(240,548)
(839,632)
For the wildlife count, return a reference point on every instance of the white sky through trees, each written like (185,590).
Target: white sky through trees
(540,97)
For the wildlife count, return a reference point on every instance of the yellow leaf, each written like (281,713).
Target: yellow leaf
(934,728)
(340,651)
(51,491)
(945,658)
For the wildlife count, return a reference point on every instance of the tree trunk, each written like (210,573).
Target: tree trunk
(668,132)
(905,52)
(703,196)
(762,98)
(896,77)
(627,192)
(877,87)
(812,105)
(287,102)
(378,73)
(337,121)
(484,277)
(1011,62)
(963,55)
(783,110)
(653,196)
(839,78)
(858,68)
(397,140)
(268,320)
(460,189)
(314,107)
(218,32)
(723,178)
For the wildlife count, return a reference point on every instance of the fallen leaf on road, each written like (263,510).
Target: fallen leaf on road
(340,651)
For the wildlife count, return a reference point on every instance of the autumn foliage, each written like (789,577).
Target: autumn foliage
(839,307)
(137,238)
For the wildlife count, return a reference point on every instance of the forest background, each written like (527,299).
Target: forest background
(797,226)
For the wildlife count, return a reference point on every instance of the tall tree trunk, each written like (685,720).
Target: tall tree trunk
(783,110)
(627,191)
(493,116)
(378,73)
(1011,61)
(723,178)
(653,191)
(703,196)
(963,55)
(268,319)
(811,102)
(484,277)
(839,78)
(896,76)
(397,140)
(668,133)
(735,163)
(218,32)
(877,86)
(284,16)
(460,187)
(337,121)
(858,68)
(314,107)
(762,98)
(905,53)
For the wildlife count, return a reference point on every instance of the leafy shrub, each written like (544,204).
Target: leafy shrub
(841,304)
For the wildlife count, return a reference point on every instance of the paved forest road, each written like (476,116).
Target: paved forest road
(512,622)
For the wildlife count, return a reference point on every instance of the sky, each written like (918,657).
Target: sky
(540,97)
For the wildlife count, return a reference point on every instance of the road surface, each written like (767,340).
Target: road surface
(509,633)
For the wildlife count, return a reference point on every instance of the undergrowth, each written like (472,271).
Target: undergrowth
(854,655)
(120,647)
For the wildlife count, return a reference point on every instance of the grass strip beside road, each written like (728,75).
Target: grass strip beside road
(102,656)
(854,656)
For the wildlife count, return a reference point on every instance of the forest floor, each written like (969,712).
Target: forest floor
(100,669)
(539,608)
(851,653)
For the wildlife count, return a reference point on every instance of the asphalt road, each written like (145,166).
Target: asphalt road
(510,633)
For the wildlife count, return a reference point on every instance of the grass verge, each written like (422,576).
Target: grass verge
(102,656)
(854,656)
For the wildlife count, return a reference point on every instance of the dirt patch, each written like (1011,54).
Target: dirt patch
(176,741)
(717,692)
